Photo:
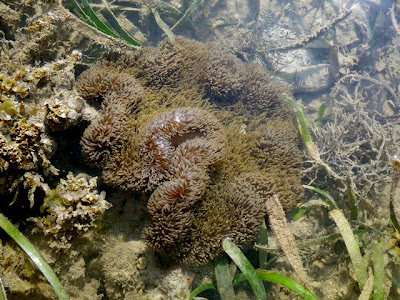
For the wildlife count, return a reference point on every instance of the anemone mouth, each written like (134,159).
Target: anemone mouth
(176,140)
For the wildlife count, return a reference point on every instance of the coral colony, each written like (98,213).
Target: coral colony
(201,134)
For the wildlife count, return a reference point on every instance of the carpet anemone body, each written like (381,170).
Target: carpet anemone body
(203,134)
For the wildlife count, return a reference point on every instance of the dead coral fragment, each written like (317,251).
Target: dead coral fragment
(12,87)
(19,81)
(23,145)
(73,208)
(30,83)
(25,151)
(278,223)
(358,139)
(63,114)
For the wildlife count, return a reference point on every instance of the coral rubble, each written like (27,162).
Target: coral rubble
(361,133)
(165,129)
(73,208)
(36,98)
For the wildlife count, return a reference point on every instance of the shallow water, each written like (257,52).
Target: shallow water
(120,131)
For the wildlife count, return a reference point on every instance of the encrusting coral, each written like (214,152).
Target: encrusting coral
(206,137)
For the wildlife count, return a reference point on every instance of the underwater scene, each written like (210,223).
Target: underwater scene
(199,149)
